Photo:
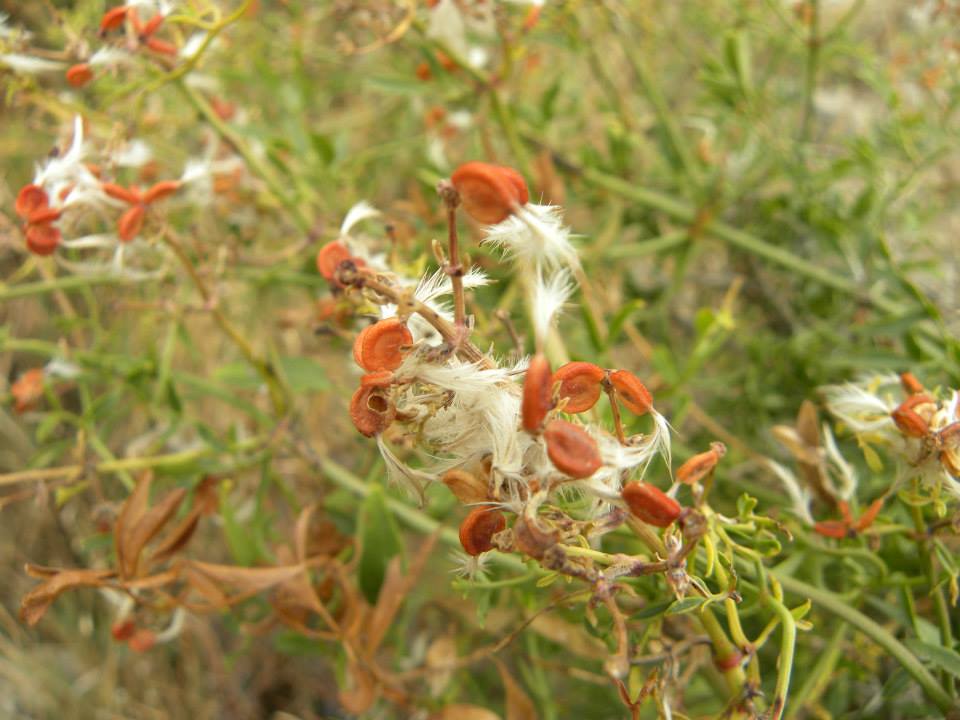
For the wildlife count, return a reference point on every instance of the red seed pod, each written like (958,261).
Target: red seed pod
(478,529)
(832,529)
(632,392)
(379,379)
(79,75)
(423,72)
(701,464)
(151,26)
(379,346)
(579,385)
(910,384)
(142,640)
(330,257)
(42,239)
(123,630)
(907,420)
(44,215)
(489,193)
(31,199)
(371,411)
(161,190)
(131,196)
(113,19)
(651,504)
(161,46)
(571,449)
(131,223)
(870,514)
(537,399)
(27,390)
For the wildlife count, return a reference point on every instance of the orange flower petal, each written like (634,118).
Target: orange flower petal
(651,504)
(571,449)
(579,385)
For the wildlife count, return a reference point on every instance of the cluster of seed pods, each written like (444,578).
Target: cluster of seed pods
(33,206)
(917,417)
(379,350)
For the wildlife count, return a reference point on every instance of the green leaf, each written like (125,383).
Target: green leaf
(686,605)
(653,610)
(944,658)
(745,506)
(379,543)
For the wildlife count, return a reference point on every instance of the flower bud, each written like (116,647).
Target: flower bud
(571,449)
(651,504)
(579,385)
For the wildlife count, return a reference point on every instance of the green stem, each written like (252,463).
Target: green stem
(70,282)
(788,639)
(814,43)
(723,651)
(828,601)
(818,679)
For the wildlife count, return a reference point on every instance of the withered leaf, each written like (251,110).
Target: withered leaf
(519,705)
(363,691)
(459,711)
(137,535)
(210,579)
(36,602)
(130,514)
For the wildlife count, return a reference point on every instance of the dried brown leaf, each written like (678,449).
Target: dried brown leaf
(363,691)
(129,516)
(139,534)
(808,426)
(36,602)
(518,703)
(460,711)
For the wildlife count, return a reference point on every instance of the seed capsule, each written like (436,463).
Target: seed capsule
(571,449)
(579,385)
(651,504)
(379,346)
(537,399)
(330,257)
(910,384)
(632,392)
(131,223)
(371,411)
(161,190)
(113,18)
(478,529)
(906,418)
(79,75)
(379,379)
(30,199)
(489,193)
(701,464)
(42,239)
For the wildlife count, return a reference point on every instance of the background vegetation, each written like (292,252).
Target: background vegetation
(764,193)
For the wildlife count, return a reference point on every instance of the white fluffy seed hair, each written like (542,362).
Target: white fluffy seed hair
(356,215)
(799,497)
(549,295)
(860,406)
(535,236)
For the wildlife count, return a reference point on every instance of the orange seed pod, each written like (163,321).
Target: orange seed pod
(112,19)
(632,392)
(330,257)
(131,223)
(910,384)
(579,385)
(701,464)
(161,190)
(379,346)
(371,411)
(142,640)
(571,449)
(379,379)
(123,630)
(161,46)
(907,420)
(118,192)
(42,239)
(478,529)
(537,399)
(489,193)
(79,75)
(31,199)
(651,504)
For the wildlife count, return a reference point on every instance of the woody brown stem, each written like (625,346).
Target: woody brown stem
(615,409)
(401,299)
